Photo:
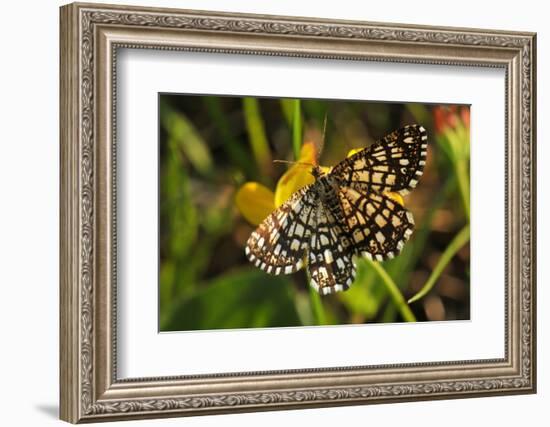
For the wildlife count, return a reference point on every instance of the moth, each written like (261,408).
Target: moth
(344,213)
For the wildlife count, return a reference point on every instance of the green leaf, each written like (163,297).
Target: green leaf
(360,298)
(183,133)
(179,217)
(394,292)
(179,223)
(167,280)
(459,240)
(247,298)
(296,129)
(420,113)
(317,309)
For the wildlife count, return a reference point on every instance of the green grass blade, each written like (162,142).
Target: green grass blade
(302,304)
(296,129)
(458,242)
(317,306)
(236,152)
(361,298)
(316,303)
(257,134)
(287,108)
(455,143)
(464,186)
(394,292)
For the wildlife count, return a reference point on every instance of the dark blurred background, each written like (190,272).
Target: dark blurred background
(211,146)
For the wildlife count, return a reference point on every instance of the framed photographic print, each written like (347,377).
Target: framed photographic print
(265,212)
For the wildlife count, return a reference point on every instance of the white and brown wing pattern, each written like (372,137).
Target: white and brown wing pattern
(393,163)
(330,263)
(279,244)
(378,226)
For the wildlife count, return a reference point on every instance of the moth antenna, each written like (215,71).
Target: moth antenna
(322,145)
(293,162)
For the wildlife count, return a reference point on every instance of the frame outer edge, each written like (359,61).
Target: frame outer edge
(303,19)
(69,354)
(533,207)
(78,223)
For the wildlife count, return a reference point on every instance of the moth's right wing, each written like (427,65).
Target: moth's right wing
(377,225)
(394,163)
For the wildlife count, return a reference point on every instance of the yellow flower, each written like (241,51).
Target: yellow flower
(256,201)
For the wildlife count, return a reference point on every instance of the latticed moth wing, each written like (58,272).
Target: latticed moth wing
(279,243)
(377,225)
(330,255)
(392,164)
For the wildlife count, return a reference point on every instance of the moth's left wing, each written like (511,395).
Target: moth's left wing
(278,245)
(392,164)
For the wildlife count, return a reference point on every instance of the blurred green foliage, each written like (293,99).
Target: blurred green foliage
(210,146)
(235,300)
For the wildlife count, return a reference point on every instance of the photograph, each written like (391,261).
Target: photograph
(278,212)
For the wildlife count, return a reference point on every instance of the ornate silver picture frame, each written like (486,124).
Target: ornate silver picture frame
(91,35)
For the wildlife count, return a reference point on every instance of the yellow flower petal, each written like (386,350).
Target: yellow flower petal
(298,175)
(255,201)
(308,153)
(396,197)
